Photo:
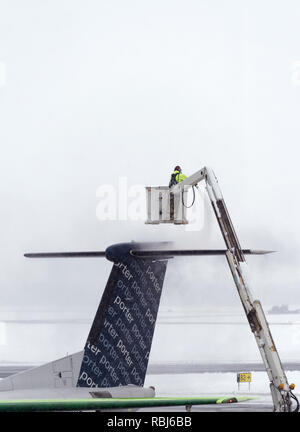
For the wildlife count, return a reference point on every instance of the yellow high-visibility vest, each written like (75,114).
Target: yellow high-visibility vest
(179,176)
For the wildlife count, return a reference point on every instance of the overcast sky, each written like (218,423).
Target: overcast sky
(91,91)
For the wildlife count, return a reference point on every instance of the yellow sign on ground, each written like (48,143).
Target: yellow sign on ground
(244,377)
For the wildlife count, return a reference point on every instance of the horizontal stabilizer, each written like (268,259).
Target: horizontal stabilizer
(191,252)
(144,253)
(65,254)
(110,403)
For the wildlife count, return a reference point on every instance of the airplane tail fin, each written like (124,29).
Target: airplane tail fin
(118,345)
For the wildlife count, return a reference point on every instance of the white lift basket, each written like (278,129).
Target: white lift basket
(163,206)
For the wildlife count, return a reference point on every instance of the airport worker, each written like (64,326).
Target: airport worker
(176,176)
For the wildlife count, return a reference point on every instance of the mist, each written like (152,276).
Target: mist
(95,91)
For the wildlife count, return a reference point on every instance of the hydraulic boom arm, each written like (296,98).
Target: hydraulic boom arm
(280,389)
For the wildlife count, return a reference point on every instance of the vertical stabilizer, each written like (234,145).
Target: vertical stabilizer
(118,346)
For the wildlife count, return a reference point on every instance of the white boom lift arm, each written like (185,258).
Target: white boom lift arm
(281,391)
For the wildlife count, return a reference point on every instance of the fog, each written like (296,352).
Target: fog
(94,91)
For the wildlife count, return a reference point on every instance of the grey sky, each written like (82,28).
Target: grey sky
(96,90)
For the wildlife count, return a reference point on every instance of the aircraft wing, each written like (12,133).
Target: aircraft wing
(110,403)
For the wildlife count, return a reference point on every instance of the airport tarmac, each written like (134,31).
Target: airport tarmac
(234,407)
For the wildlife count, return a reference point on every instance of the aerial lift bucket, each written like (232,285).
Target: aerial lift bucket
(163,206)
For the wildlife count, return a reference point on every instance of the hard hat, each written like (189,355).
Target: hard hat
(177,168)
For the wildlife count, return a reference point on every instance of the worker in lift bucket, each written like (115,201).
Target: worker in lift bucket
(176,176)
